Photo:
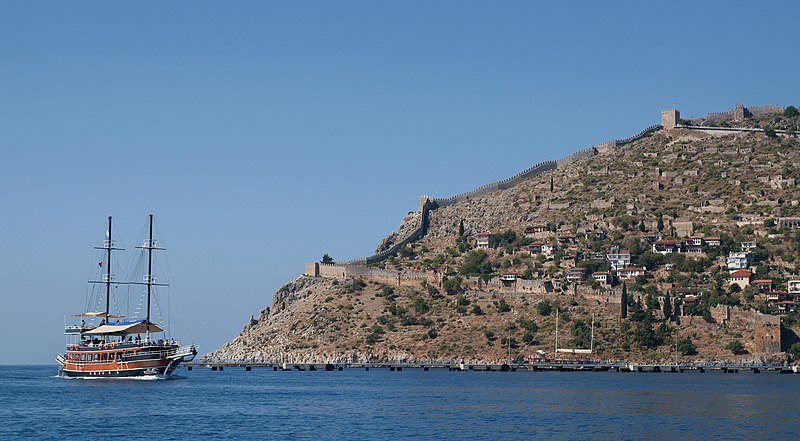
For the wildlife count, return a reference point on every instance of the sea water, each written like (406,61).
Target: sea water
(411,404)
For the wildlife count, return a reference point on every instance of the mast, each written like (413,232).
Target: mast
(108,278)
(108,269)
(556,333)
(149,279)
(149,272)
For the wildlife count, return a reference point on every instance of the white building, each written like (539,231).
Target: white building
(630,273)
(549,249)
(604,278)
(483,240)
(749,245)
(740,260)
(618,258)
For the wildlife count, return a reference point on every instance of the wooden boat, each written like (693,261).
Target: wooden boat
(121,349)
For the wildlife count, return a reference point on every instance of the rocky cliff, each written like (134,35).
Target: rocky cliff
(671,185)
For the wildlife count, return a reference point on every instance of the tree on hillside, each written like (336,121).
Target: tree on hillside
(509,236)
(645,336)
(551,184)
(544,307)
(686,347)
(667,308)
(581,334)
(476,264)
(736,347)
(660,224)
(327,259)
(421,306)
(461,228)
(790,112)
(794,351)
(452,285)
(624,301)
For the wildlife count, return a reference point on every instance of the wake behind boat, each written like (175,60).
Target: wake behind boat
(118,348)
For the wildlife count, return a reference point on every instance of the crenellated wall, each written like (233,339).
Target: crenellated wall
(580,154)
(499,185)
(343,271)
(428,203)
(740,112)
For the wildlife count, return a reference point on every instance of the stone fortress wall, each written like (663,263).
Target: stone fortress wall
(428,203)
(670,119)
(766,328)
(499,185)
(740,112)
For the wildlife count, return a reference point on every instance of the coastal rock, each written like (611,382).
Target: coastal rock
(400,308)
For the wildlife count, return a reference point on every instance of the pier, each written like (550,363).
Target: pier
(546,366)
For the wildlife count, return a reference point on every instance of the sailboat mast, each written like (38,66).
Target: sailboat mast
(108,270)
(149,271)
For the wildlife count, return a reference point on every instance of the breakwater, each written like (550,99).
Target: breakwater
(536,366)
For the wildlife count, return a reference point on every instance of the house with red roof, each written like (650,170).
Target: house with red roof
(739,277)
(762,286)
(483,239)
(630,273)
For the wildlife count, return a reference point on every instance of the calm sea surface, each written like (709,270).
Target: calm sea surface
(411,404)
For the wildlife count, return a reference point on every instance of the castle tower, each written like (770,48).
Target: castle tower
(670,118)
(739,112)
(424,199)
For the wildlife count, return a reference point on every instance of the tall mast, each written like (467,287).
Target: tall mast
(108,269)
(149,271)
(107,278)
(149,279)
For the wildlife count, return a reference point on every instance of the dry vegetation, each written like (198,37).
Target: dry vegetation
(733,186)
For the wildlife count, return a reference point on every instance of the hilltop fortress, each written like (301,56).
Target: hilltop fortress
(670,119)
(462,273)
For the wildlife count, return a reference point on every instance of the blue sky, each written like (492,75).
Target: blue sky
(263,135)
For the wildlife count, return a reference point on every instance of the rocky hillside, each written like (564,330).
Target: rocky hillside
(671,186)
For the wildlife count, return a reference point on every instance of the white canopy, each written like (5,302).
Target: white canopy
(137,327)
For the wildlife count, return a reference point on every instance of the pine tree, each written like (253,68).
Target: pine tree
(624,301)
(660,224)
(551,184)
(461,228)
(667,308)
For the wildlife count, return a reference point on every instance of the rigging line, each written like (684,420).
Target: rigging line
(162,264)
(92,271)
(121,256)
(159,313)
(180,311)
